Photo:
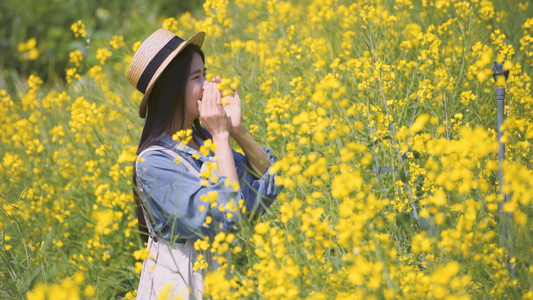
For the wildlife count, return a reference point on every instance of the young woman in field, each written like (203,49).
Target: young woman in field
(181,194)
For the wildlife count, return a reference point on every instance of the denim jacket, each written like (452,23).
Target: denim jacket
(176,199)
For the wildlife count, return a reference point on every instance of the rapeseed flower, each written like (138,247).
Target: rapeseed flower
(78,29)
(383,123)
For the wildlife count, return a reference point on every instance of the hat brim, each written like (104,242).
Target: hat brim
(197,39)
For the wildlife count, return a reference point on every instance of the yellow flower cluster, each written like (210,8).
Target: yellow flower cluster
(184,136)
(200,264)
(526,42)
(28,49)
(171,24)
(382,114)
(216,18)
(117,42)
(78,29)
(102,54)
(67,289)
(72,74)
(76,57)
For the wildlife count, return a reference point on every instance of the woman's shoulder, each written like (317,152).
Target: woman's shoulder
(156,157)
(163,147)
(161,165)
(155,151)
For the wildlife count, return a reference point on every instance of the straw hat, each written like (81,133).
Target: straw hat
(152,57)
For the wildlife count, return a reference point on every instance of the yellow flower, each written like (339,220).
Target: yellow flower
(184,136)
(212,196)
(141,254)
(78,29)
(200,263)
(202,244)
(138,267)
(89,290)
(71,75)
(261,228)
(170,24)
(208,147)
(102,54)
(419,124)
(28,49)
(136,46)
(76,57)
(117,42)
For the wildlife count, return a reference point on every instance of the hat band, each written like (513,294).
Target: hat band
(154,64)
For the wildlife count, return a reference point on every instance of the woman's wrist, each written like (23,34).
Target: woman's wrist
(256,155)
(221,137)
(224,156)
(237,132)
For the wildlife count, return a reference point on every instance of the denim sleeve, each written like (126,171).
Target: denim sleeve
(178,201)
(258,193)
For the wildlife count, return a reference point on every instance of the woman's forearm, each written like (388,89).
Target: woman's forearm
(257,157)
(224,157)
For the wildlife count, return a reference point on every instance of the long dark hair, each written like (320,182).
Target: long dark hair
(166,107)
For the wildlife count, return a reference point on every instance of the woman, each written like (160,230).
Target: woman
(181,204)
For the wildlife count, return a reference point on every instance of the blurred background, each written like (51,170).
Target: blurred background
(36,36)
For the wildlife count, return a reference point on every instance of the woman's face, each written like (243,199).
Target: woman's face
(194,89)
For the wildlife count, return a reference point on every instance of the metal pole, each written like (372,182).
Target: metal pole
(506,237)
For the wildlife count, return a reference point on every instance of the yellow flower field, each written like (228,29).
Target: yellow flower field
(383,115)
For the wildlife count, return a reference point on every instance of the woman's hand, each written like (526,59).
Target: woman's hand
(232,106)
(212,114)
(234,112)
(215,120)
(256,156)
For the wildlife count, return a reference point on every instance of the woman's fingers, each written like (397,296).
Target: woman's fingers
(205,98)
(211,102)
(211,93)
(236,93)
(214,95)
(217,80)
(218,95)
(212,113)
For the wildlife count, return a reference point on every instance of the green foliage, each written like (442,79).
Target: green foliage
(49,23)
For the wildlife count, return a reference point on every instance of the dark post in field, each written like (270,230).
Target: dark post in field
(506,237)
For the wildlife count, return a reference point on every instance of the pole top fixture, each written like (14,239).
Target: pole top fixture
(497,70)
